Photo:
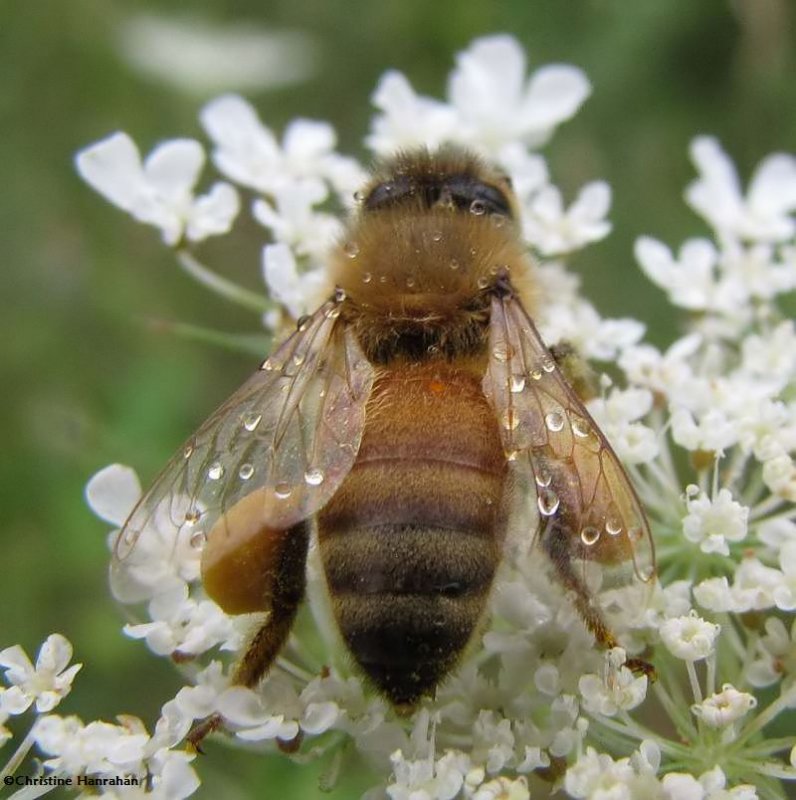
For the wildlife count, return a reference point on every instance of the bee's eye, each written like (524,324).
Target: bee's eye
(468,193)
(389,193)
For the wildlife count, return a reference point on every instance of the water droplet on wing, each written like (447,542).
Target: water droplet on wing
(554,421)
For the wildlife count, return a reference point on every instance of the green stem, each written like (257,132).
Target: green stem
(222,286)
(18,756)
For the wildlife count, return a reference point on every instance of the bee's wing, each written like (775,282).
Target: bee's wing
(292,431)
(581,487)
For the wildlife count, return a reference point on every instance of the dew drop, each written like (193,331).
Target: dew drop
(367,277)
(197,540)
(517,383)
(187,451)
(502,351)
(251,421)
(216,471)
(282,490)
(483,282)
(511,420)
(436,236)
(511,455)
(410,282)
(333,312)
(548,502)
(314,476)
(351,249)
(298,359)
(536,374)
(382,279)
(246,471)
(358,196)
(192,517)
(269,365)
(554,421)
(581,428)
(477,208)
(613,526)
(589,535)
(543,478)
(339,295)
(549,364)
(454,264)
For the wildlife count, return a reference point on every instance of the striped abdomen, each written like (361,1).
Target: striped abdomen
(411,541)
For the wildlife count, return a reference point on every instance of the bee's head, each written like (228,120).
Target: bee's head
(449,179)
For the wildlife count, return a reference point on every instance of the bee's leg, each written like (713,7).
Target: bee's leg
(577,372)
(284,588)
(287,592)
(556,542)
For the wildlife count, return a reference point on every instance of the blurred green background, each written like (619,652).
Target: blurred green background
(87,381)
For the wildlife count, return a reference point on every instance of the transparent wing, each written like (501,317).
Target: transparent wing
(290,433)
(583,492)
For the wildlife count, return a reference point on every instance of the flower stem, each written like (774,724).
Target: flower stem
(18,756)
(222,286)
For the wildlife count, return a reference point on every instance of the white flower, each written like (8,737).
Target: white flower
(98,747)
(754,588)
(298,293)
(159,562)
(725,707)
(503,789)
(491,102)
(182,624)
(497,104)
(713,523)
(680,786)
(159,192)
(618,689)
(195,55)
(427,779)
(597,775)
(689,638)
(776,652)
(779,474)
(690,280)
(247,151)
(765,214)
(552,230)
(407,119)
(293,220)
(113,492)
(785,595)
(634,442)
(271,713)
(46,684)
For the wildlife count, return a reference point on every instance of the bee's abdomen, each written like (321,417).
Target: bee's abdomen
(411,541)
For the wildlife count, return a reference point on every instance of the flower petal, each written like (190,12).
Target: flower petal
(112,493)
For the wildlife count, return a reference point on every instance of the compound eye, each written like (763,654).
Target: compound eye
(389,194)
(466,191)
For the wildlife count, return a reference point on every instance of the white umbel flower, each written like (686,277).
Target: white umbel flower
(690,638)
(44,684)
(712,523)
(724,707)
(159,191)
(764,214)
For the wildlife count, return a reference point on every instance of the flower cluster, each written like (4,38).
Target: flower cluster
(122,758)
(706,429)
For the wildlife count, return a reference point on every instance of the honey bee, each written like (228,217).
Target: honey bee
(398,424)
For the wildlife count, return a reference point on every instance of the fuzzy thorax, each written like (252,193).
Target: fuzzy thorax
(426,273)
